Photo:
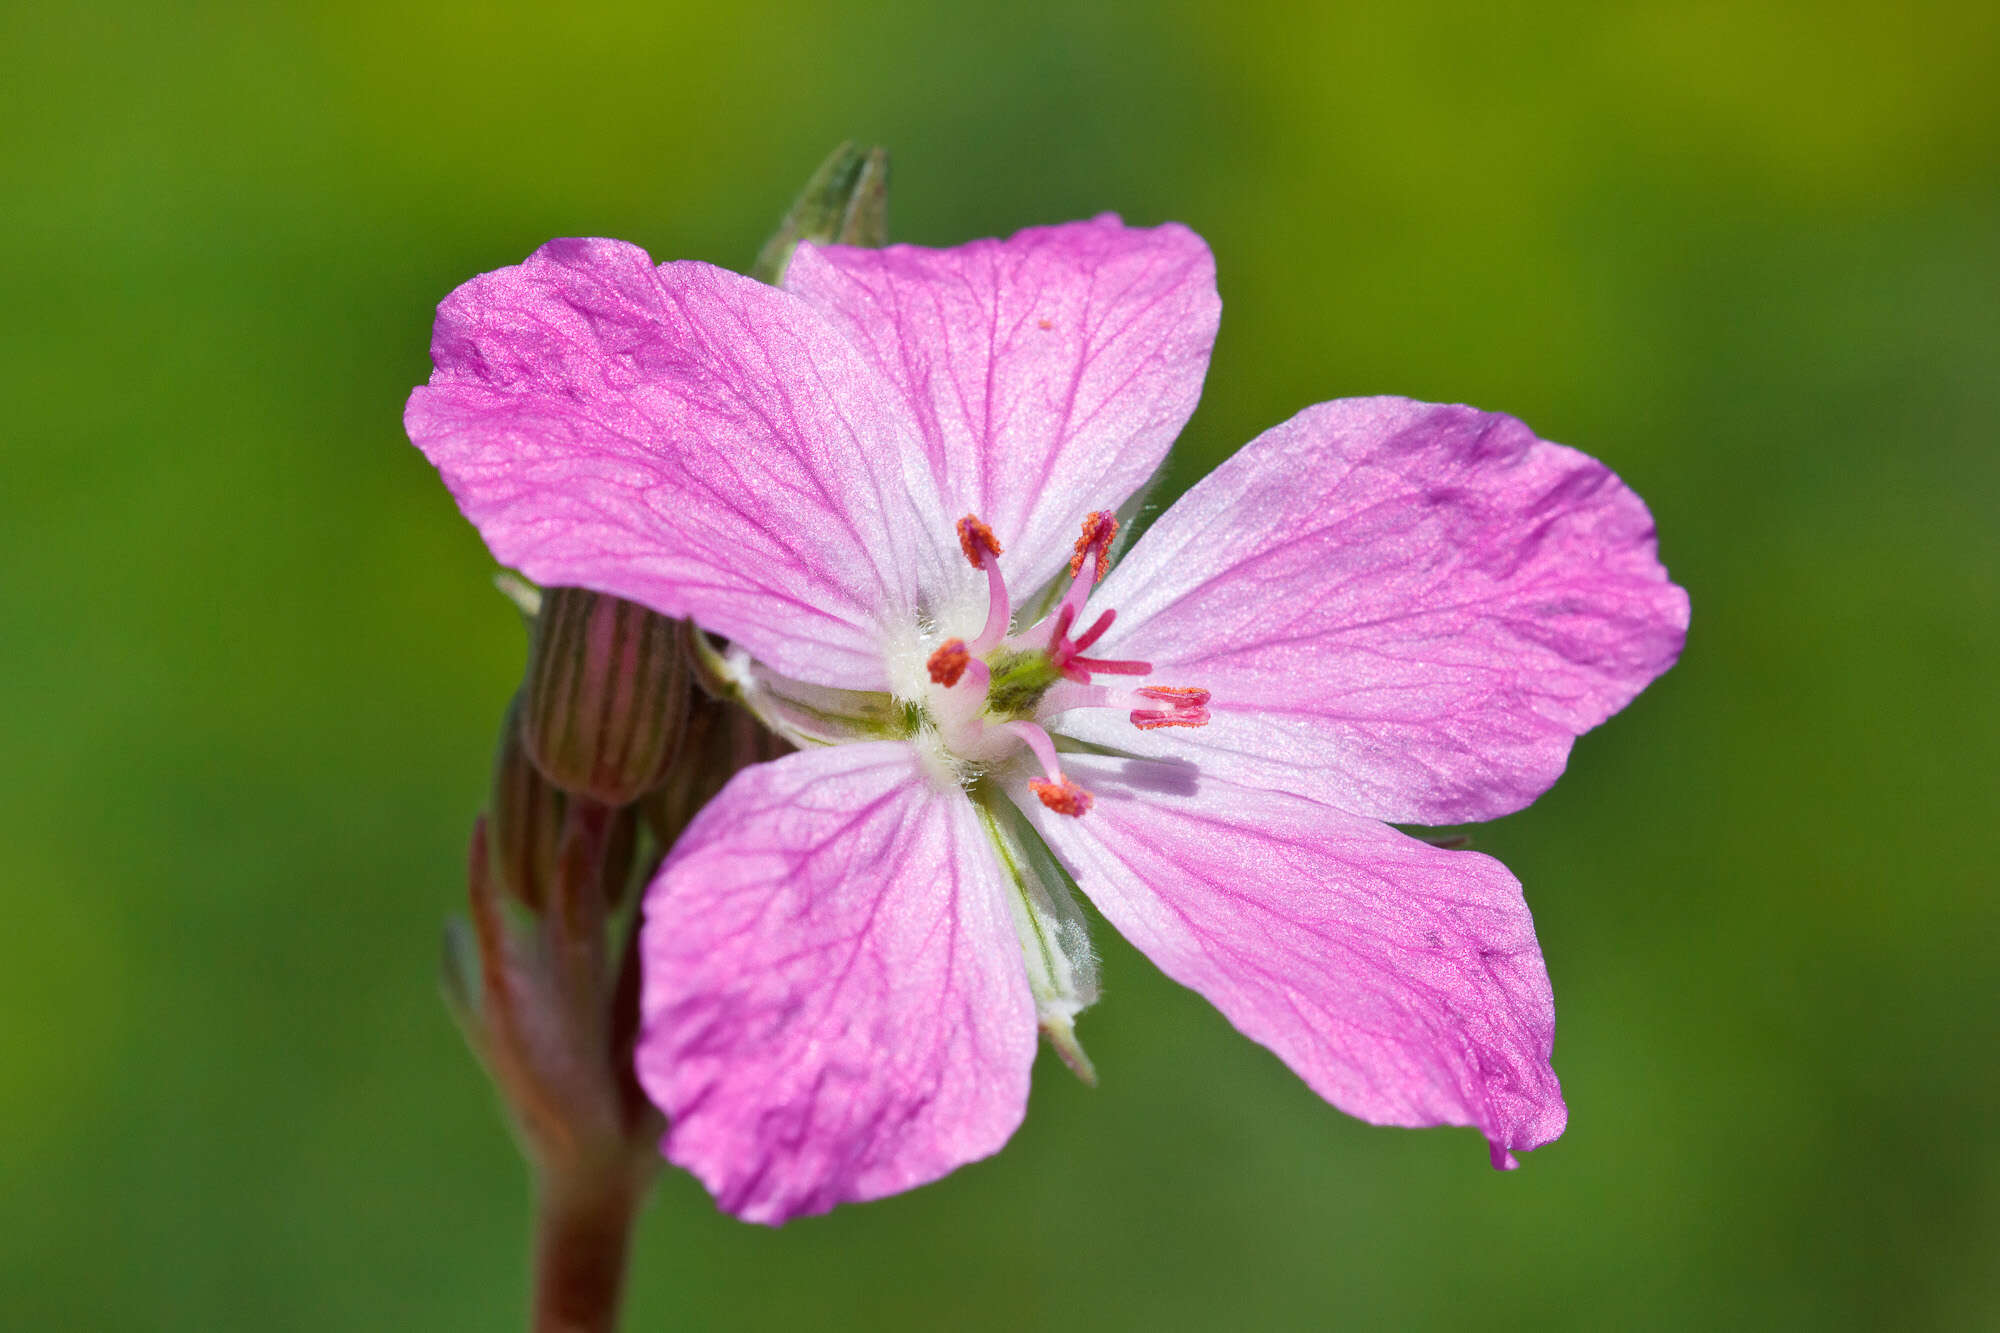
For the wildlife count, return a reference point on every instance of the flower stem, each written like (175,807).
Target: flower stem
(583,1233)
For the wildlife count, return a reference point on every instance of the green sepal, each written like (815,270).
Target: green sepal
(845,203)
(1055,938)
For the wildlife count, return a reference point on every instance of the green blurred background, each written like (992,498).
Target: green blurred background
(1748,254)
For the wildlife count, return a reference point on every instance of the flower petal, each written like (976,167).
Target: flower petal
(694,441)
(834,1003)
(1401,982)
(1405,610)
(1050,371)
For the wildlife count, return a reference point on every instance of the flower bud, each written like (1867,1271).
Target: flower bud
(606,695)
(524,821)
(618,857)
(721,738)
(845,203)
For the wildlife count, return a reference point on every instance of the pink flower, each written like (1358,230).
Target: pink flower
(891,487)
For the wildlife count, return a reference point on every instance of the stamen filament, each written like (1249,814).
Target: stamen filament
(999,610)
(1081,694)
(960,709)
(982,548)
(1045,749)
(1150,707)
(1072,602)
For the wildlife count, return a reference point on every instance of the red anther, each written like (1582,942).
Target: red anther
(1187,706)
(1098,530)
(1098,666)
(948,663)
(1065,797)
(976,539)
(1095,632)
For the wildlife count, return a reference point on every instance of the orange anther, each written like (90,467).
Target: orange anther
(1187,706)
(1098,530)
(1065,797)
(1151,720)
(948,663)
(1185,695)
(976,539)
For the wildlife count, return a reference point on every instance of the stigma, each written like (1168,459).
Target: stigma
(992,692)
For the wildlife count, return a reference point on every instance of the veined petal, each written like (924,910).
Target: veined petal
(834,1006)
(1401,982)
(693,441)
(1050,371)
(1405,610)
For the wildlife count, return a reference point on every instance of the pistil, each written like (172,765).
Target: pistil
(1087,567)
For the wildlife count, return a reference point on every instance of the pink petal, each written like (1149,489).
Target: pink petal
(834,1003)
(694,441)
(1405,610)
(1050,371)
(1401,982)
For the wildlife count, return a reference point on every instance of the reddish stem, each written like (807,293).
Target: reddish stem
(583,1231)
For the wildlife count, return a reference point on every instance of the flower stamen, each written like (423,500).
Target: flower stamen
(1065,797)
(1093,548)
(1055,791)
(1099,527)
(976,540)
(982,548)
(948,663)
(1186,706)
